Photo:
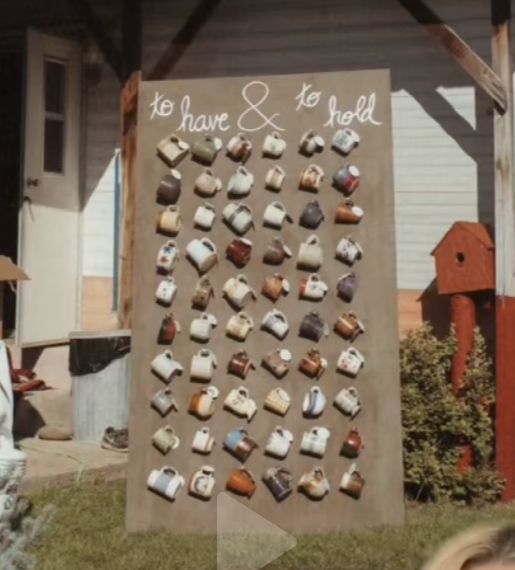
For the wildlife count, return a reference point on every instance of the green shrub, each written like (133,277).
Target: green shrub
(437,425)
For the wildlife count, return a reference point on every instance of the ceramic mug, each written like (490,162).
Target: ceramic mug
(238,291)
(275,178)
(166,482)
(201,327)
(276,251)
(346,286)
(239,443)
(349,250)
(202,293)
(276,323)
(204,217)
(203,365)
(207,184)
(314,403)
(279,481)
(278,401)
(347,179)
(312,287)
(169,221)
(172,149)
(311,178)
(348,213)
(345,141)
(312,215)
(349,326)
(202,403)
(274,145)
(279,442)
(310,254)
(350,362)
(353,444)
(314,441)
(169,188)
(202,482)
(239,148)
(239,251)
(168,329)
(310,143)
(166,367)
(275,214)
(203,254)
(240,364)
(165,439)
(241,182)
(203,441)
(313,364)
(347,400)
(166,291)
(238,217)
(206,149)
(240,403)
(239,326)
(274,286)
(167,257)
(314,484)
(242,482)
(164,402)
(352,482)
(313,327)
(278,362)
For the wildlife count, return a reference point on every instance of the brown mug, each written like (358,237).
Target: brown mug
(347,213)
(240,364)
(238,251)
(312,364)
(354,484)
(202,294)
(169,188)
(276,252)
(274,286)
(168,329)
(241,482)
(277,362)
(353,444)
(349,326)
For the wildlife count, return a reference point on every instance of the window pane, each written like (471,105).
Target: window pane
(55,82)
(54,145)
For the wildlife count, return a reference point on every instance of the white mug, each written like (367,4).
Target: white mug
(274,145)
(207,184)
(274,178)
(350,361)
(241,182)
(278,401)
(315,484)
(238,216)
(279,442)
(202,482)
(239,147)
(275,322)
(314,441)
(166,291)
(167,256)
(347,400)
(205,216)
(203,365)
(311,143)
(200,328)
(239,402)
(169,220)
(313,287)
(275,214)
(314,402)
(166,367)
(166,481)
(345,140)
(203,441)
(349,250)
(202,253)
(238,291)
(310,253)
(239,326)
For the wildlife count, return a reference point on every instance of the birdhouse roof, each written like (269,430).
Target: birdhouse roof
(480,231)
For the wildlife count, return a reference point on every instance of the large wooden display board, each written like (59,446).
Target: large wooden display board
(291,105)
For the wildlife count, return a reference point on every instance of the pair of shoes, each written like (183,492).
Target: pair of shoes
(116,439)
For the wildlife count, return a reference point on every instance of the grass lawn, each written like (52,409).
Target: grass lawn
(88,533)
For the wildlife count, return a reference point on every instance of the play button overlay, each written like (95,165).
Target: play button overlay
(246,540)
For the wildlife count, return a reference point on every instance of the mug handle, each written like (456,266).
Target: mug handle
(168,354)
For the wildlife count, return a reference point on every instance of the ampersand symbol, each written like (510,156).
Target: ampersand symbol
(263,90)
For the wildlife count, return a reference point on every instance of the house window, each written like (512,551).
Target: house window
(55,118)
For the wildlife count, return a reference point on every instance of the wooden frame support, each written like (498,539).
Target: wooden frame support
(460,51)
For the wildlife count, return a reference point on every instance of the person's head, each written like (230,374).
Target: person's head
(477,549)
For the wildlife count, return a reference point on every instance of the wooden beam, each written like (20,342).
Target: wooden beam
(460,51)
(131,37)
(99,34)
(182,39)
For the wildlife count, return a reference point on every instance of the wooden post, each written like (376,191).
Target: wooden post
(505,250)
(463,310)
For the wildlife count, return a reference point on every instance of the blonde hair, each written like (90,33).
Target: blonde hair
(475,547)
